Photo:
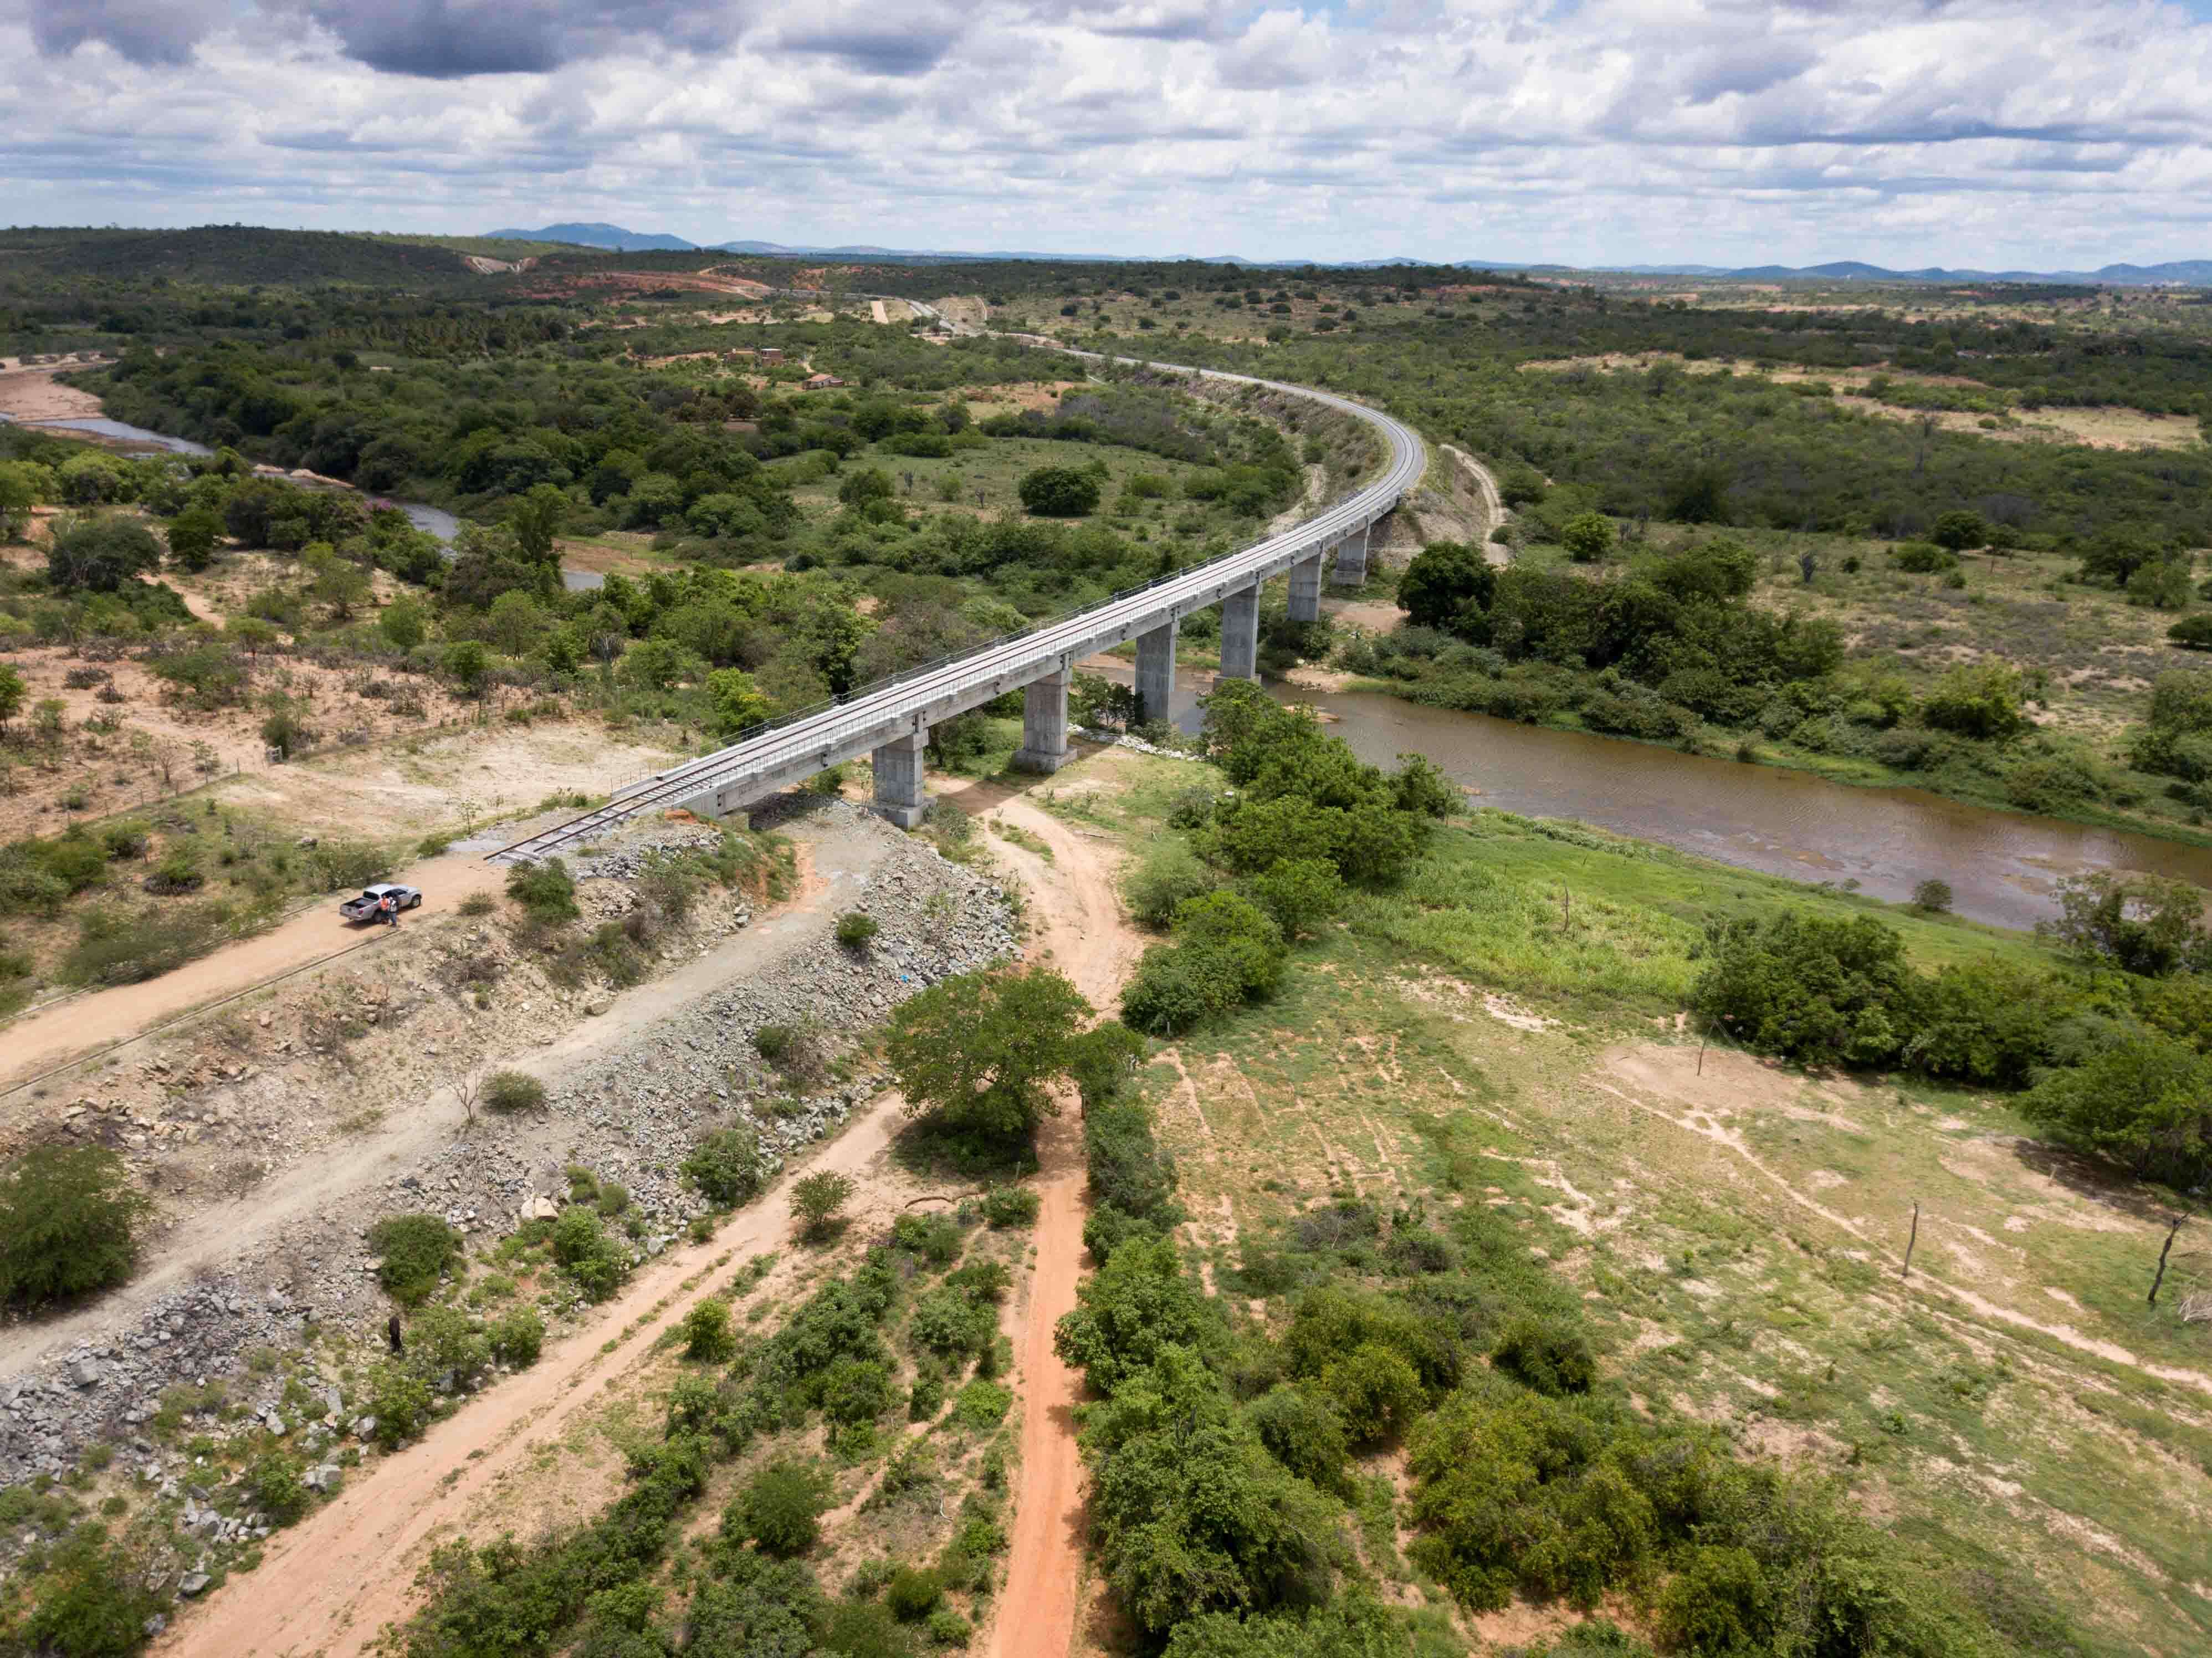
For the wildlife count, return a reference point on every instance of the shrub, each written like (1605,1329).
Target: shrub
(91,1601)
(1719,1603)
(68,1217)
(1299,894)
(1010,1205)
(517,1338)
(913,1594)
(1980,699)
(2192,633)
(725,1165)
(445,1345)
(1549,1358)
(817,1200)
(113,948)
(272,1485)
(1810,988)
(587,1255)
(399,1399)
(545,890)
(514,1091)
(707,1330)
(926,1398)
(1933,896)
(949,1629)
(856,928)
(2144,1103)
(1137,1304)
(780,1507)
(982,1404)
(1924,558)
(1303,1432)
(1059,492)
(1163,878)
(948,1322)
(862,1629)
(936,1238)
(417,1250)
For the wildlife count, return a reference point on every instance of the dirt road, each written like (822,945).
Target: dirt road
(328,1585)
(1079,929)
(40,1041)
(1493,504)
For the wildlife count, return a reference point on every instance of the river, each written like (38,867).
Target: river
(435,519)
(2002,866)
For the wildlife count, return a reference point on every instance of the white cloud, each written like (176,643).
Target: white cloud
(1991,132)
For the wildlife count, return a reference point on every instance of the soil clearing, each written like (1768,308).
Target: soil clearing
(31,395)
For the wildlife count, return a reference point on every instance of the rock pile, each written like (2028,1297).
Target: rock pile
(630,1116)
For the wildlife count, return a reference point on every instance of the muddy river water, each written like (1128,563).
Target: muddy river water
(2002,866)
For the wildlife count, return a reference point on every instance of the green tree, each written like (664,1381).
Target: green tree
(817,1200)
(536,519)
(781,1507)
(1587,537)
(68,1219)
(193,536)
(739,704)
(515,622)
(864,484)
(100,554)
(402,624)
(2143,924)
(469,663)
(1982,700)
(13,692)
(335,581)
(2144,1103)
(256,634)
(1810,988)
(725,1165)
(977,1051)
(658,665)
(1300,894)
(1960,531)
(1059,492)
(2162,584)
(1447,586)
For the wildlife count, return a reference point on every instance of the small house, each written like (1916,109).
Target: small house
(822,382)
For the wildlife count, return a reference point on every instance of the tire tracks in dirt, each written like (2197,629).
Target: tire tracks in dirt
(1079,929)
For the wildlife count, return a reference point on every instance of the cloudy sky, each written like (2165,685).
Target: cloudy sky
(2027,133)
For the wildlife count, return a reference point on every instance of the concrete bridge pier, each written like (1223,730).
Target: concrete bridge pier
(1044,725)
(1240,634)
(1351,560)
(1305,590)
(899,794)
(1156,672)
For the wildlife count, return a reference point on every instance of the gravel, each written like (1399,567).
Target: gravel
(628,1115)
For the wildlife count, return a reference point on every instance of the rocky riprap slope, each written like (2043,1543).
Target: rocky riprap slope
(628,1115)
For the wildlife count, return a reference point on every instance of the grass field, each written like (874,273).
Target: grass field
(1505,1029)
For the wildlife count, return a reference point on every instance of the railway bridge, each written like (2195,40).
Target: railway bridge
(891,721)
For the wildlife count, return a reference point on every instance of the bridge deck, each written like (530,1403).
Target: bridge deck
(802,743)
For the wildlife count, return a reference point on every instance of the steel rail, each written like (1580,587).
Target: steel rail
(878,712)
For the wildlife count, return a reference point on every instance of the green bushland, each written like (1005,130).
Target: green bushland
(1304,819)
(416,1251)
(68,1221)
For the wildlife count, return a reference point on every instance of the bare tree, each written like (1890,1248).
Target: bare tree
(468,1089)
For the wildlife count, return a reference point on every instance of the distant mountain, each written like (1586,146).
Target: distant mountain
(616,239)
(611,237)
(2184,273)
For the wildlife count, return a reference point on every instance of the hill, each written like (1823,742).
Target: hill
(229,253)
(612,237)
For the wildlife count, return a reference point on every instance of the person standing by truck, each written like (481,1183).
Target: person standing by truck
(389,906)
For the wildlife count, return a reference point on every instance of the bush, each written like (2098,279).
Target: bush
(417,1250)
(817,1199)
(1163,878)
(272,1485)
(1304,1433)
(1549,1358)
(67,1222)
(935,1238)
(1810,988)
(517,1338)
(514,1091)
(780,1507)
(1924,558)
(1010,1205)
(1719,1603)
(545,890)
(1933,896)
(587,1255)
(399,1399)
(725,1165)
(913,1594)
(1059,492)
(856,928)
(91,1601)
(1299,894)
(2192,633)
(2144,1103)
(707,1330)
